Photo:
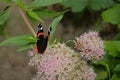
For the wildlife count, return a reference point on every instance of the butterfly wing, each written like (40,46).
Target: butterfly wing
(40,39)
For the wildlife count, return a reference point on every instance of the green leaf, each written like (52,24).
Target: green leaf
(42,3)
(4,16)
(117,68)
(102,75)
(117,37)
(106,66)
(112,15)
(113,47)
(25,47)
(3,20)
(75,5)
(33,15)
(54,24)
(111,61)
(2,28)
(115,77)
(47,13)
(18,40)
(5,0)
(20,3)
(80,5)
(100,4)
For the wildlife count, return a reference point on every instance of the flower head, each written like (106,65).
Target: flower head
(60,63)
(90,46)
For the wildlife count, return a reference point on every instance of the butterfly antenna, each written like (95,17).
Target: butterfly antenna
(39,25)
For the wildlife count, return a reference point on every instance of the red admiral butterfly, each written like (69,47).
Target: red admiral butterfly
(42,40)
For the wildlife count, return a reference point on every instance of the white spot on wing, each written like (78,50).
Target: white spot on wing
(41,28)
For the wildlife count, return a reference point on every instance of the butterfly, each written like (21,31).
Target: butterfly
(42,40)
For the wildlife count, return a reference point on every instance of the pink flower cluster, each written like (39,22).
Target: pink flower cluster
(60,63)
(90,46)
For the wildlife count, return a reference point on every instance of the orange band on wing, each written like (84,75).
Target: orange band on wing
(39,34)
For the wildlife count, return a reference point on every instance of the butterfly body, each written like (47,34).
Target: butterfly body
(42,40)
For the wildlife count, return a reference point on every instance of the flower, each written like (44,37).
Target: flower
(90,46)
(60,63)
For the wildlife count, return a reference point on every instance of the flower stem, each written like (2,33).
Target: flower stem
(26,21)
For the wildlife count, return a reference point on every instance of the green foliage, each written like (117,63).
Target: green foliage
(2,28)
(43,3)
(103,63)
(116,77)
(54,24)
(3,20)
(102,75)
(117,68)
(111,61)
(112,15)
(113,47)
(47,13)
(20,4)
(25,41)
(100,4)
(75,5)
(117,37)
(33,15)
(4,16)
(18,40)
(80,5)
(25,47)
(5,0)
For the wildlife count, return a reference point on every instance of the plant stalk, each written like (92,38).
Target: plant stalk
(26,21)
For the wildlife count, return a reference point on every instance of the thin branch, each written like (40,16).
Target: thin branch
(27,22)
